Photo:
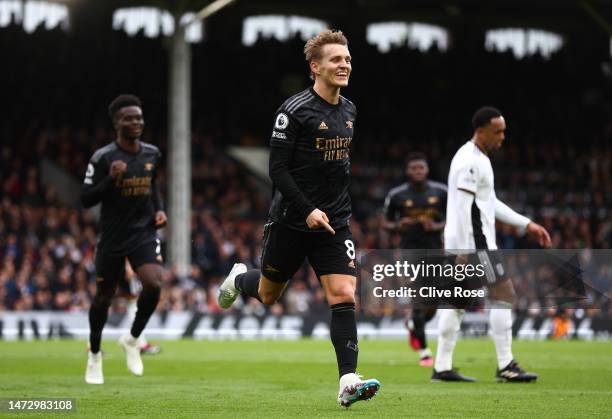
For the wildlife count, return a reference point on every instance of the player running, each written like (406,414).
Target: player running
(416,210)
(122,177)
(471,212)
(311,207)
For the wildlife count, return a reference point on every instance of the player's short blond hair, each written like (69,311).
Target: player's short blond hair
(313,47)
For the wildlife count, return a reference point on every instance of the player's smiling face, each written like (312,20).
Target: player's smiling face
(334,66)
(129,122)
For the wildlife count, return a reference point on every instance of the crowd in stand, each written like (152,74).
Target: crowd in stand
(555,167)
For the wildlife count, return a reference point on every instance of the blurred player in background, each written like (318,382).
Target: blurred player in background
(416,210)
(470,224)
(311,206)
(122,177)
(129,288)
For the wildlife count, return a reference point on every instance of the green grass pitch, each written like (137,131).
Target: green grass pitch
(286,379)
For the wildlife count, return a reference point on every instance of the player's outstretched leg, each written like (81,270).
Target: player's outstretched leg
(150,275)
(230,290)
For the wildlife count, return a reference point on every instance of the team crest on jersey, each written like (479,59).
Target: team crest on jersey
(432,200)
(323,125)
(408,203)
(149,166)
(282,121)
(349,124)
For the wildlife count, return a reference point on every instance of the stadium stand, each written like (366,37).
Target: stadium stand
(556,165)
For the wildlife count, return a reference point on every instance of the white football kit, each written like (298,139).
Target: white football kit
(471,211)
(472,206)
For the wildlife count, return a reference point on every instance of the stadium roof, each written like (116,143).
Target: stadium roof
(559,15)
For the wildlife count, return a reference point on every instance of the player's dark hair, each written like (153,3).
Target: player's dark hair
(122,101)
(482,117)
(416,155)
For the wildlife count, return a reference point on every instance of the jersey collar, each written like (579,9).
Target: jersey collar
(320,99)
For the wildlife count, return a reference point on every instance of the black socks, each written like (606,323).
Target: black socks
(248,283)
(146,306)
(419,318)
(418,323)
(343,333)
(98,312)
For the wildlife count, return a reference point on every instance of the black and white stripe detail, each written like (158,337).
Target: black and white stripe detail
(391,194)
(479,238)
(485,261)
(298,100)
(150,147)
(347,101)
(102,151)
(437,185)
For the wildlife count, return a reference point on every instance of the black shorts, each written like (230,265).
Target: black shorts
(111,268)
(284,251)
(487,261)
(494,269)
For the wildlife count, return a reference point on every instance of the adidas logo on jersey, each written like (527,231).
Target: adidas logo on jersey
(322,125)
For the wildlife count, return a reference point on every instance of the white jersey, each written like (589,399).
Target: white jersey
(471,228)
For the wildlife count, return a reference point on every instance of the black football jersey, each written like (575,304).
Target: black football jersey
(311,141)
(129,202)
(430,202)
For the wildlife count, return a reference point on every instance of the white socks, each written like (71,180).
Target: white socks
(131,309)
(424,353)
(500,320)
(448,329)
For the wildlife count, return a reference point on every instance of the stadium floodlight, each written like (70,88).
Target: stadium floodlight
(209,10)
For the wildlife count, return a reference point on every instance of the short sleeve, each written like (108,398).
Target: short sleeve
(467,178)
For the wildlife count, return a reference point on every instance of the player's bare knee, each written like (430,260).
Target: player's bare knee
(267,297)
(151,278)
(342,294)
(152,284)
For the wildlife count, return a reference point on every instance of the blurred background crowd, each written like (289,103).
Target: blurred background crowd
(555,166)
